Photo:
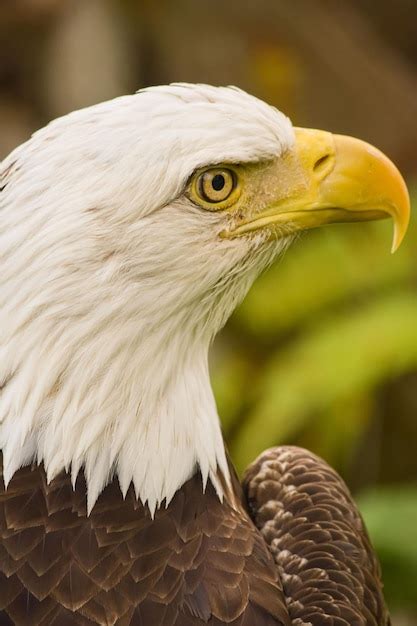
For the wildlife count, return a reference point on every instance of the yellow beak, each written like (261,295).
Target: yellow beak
(334,178)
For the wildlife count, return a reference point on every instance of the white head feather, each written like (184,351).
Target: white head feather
(113,284)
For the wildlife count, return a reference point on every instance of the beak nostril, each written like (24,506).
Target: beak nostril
(321,163)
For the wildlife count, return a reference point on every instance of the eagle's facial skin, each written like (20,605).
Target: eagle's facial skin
(122,255)
(323,179)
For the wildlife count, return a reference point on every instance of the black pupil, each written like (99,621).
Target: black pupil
(218,182)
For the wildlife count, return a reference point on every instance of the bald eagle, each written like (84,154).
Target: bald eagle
(129,232)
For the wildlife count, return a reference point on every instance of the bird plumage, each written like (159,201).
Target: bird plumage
(195,562)
(198,561)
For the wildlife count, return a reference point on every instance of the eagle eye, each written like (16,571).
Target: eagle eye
(215,186)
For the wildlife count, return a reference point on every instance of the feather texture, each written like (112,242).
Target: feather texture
(198,561)
(314,530)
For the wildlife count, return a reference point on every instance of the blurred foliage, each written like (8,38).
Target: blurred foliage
(391,517)
(305,357)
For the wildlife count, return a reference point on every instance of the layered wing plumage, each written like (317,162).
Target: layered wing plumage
(314,530)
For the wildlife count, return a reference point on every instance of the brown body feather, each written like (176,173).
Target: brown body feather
(199,561)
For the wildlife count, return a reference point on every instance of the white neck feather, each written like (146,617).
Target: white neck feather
(142,409)
(100,386)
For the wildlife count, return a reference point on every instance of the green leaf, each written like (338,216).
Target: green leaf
(325,268)
(344,356)
(338,430)
(230,369)
(390,514)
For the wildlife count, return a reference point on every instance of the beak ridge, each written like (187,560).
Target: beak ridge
(367,183)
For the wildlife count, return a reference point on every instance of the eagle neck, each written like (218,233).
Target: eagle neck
(176,431)
(137,406)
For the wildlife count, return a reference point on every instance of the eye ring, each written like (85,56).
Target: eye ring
(215,188)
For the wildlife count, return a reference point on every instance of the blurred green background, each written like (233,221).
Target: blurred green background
(323,352)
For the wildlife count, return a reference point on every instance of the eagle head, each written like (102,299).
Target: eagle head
(129,231)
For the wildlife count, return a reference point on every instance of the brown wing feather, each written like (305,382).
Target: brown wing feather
(199,561)
(318,539)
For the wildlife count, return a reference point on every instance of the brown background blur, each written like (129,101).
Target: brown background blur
(323,353)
